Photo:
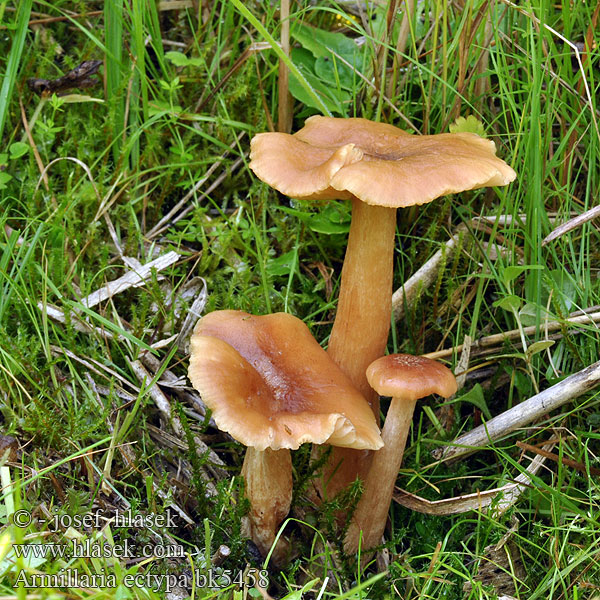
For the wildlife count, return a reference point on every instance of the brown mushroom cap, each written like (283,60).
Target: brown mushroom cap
(410,377)
(385,166)
(270,384)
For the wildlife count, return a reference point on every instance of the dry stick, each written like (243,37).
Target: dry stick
(36,154)
(177,384)
(578,221)
(522,414)
(129,456)
(284,121)
(408,294)
(194,313)
(562,459)
(94,366)
(134,278)
(502,498)
(167,221)
(164,406)
(499,338)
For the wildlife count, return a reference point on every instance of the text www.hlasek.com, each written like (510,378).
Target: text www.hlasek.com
(94,549)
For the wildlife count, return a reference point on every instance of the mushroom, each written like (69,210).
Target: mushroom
(380,168)
(272,387)
(406,379)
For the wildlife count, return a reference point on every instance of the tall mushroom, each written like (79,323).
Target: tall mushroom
(272,387)
(380,168)
(406,379)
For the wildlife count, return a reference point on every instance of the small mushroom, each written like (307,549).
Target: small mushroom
(272,387)
(380,168)
(406,379)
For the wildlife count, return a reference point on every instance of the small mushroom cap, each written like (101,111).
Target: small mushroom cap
(270,384)
(410,377)
(375,162)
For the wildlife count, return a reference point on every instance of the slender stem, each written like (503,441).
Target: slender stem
(284,122)
(372,510)
(362,322)
(268,476)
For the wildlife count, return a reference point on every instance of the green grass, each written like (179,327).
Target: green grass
(89,431)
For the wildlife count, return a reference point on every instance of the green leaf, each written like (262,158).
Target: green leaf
(476,398)
(282,265)
(471,125)
(510,303)
(294,71)
(537,347)
(528,314)
(4,179)
(179,59)
(323,43)
(18,149)
(330,221)
(335,100)
(512,272)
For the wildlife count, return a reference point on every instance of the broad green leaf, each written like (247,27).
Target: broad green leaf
(330,221)
(512,272)
(179,59)
(510,303)
(18,149)
(528,314)
(537,347)
(334,100)
(4,179)
(323,43)
(476,398)
(282,265)
(471,125)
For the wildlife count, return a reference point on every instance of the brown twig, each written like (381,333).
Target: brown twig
(522,414)
(284,121)
(556,458)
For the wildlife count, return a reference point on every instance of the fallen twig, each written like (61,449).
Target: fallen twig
(501,498)
(562,459)
(163,404)
(406,295)
(134,278)
(172,216)
(522,414)
(577,221)
(422,279)
(498,339)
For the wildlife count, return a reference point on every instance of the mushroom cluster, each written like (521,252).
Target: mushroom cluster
(272,387)
(379,168)
(268,381)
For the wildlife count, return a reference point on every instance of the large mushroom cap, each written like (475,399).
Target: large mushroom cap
(385,166)
(270,384)
(410,377)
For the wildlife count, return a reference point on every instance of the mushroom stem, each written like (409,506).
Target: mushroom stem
(268,476)
(362,322)
(371,513)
